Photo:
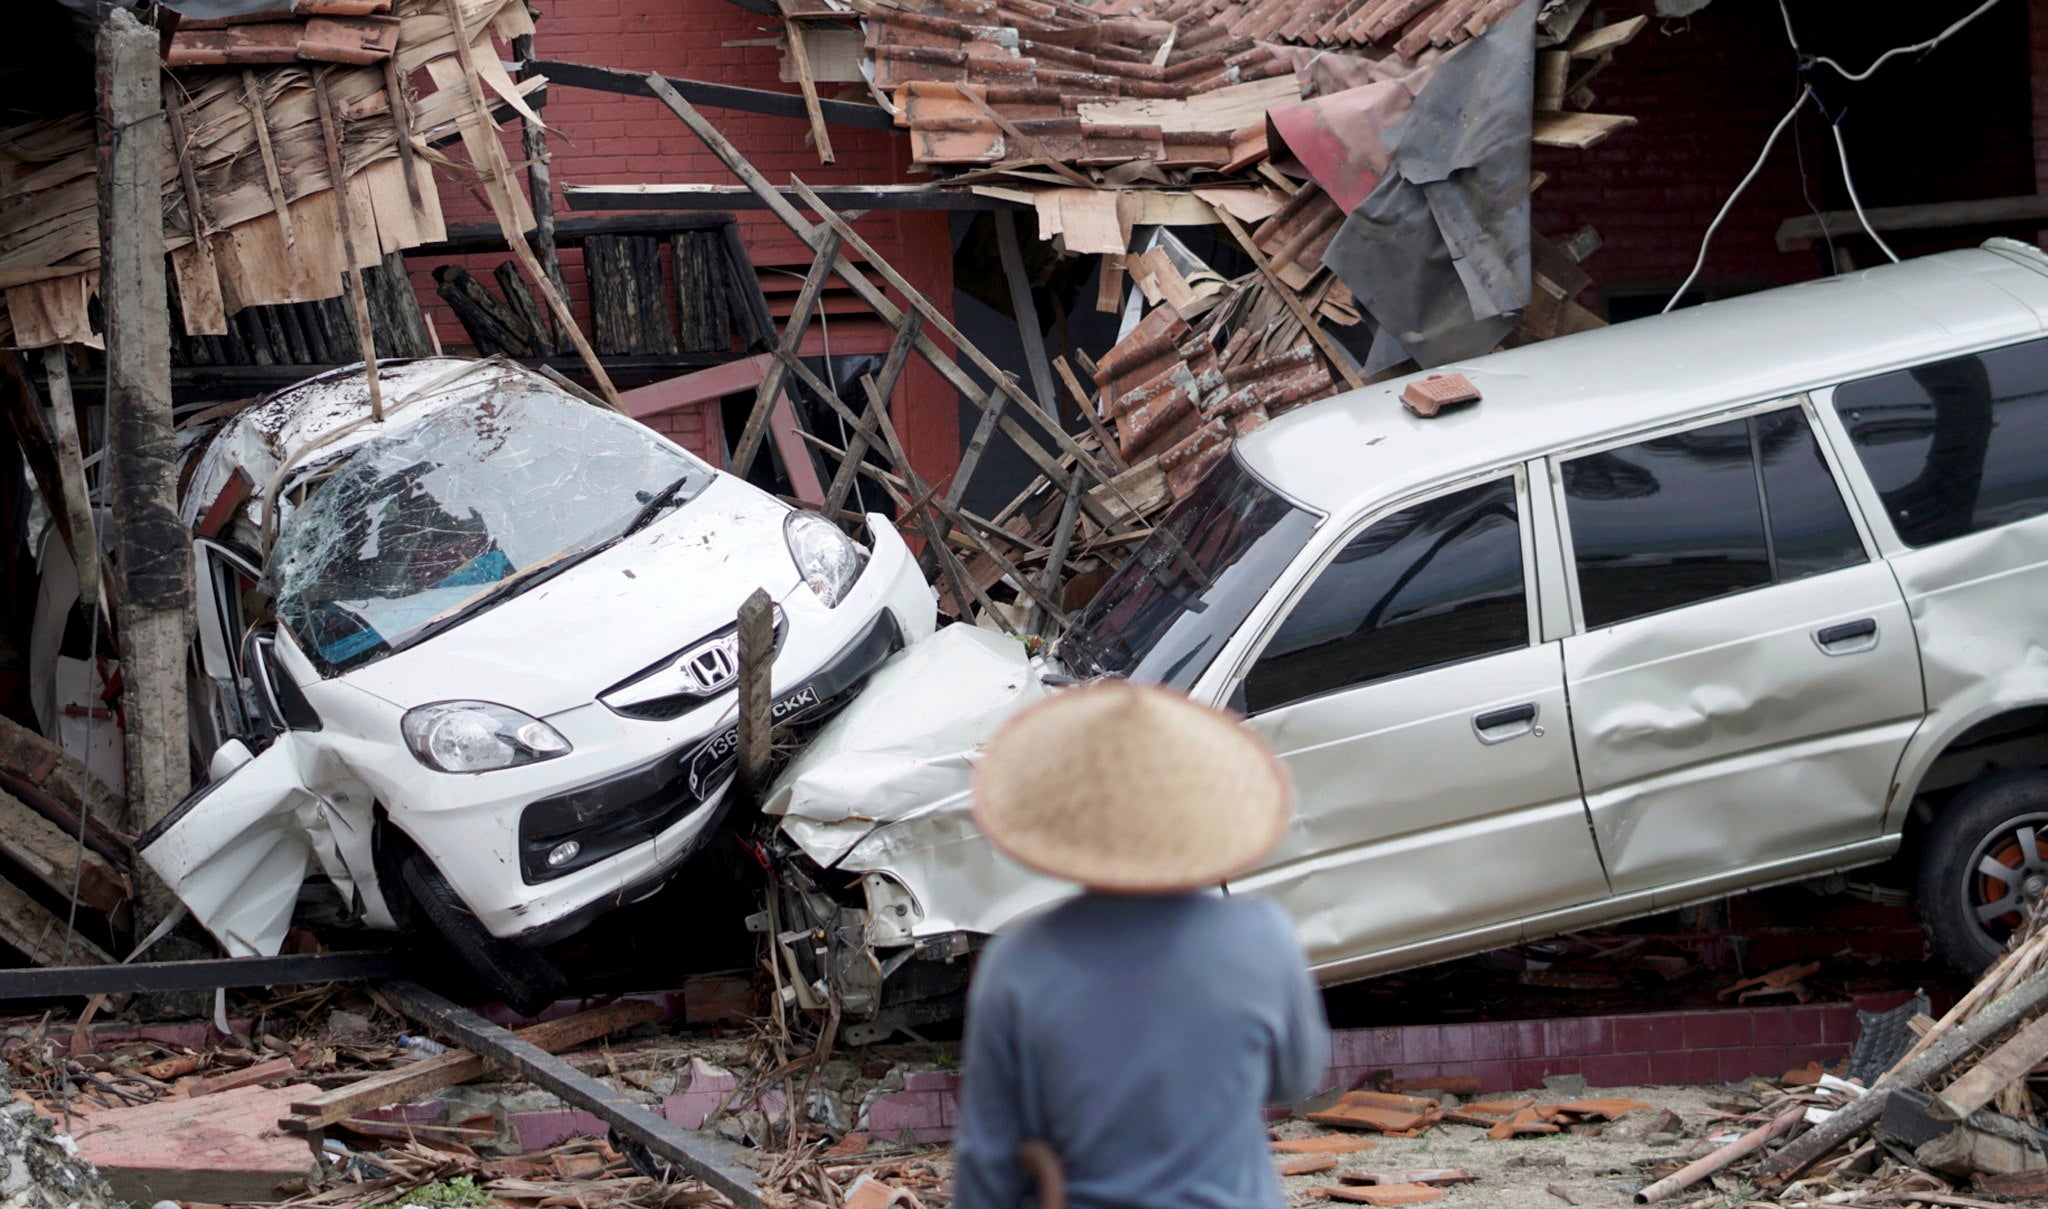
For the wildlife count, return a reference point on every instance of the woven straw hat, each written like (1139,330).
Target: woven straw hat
(1131,790)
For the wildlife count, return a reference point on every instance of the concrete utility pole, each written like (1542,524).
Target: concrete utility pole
(150,547)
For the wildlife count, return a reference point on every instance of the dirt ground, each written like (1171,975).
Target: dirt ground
(1596,1170)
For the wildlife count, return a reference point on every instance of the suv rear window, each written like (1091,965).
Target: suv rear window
(1722,509)
(1955,446)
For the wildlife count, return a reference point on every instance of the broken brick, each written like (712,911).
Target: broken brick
(1329,1143)
(1423,1175)
(1452,1085)
(1381,1194)
(1304,1164)
(1606,1110)
(1497,1108)
(1525,1121)
(1428,396)
(1381,1120)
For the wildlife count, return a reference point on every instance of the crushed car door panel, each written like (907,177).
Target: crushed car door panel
(1747,677)
(1426,733)
(1956,454)
(236,850)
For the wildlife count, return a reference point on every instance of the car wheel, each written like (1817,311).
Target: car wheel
(524,978)
(1984,864)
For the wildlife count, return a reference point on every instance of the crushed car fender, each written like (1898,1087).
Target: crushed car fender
(884,787)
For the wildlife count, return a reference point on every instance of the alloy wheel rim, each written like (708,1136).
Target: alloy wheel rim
(2008,872)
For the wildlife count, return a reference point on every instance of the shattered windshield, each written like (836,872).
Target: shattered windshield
(1163,616)
(421,529)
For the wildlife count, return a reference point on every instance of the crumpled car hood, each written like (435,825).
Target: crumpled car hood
(907,744)
(557,645)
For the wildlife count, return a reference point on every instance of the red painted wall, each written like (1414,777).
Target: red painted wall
(608,139)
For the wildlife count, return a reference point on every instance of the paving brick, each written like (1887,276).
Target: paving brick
(1771,1025)
(1839,1024)
(1685,1066)
(1755,1061)
(1716,1030)
(930,1080)
(1615,1070)
(914,1112)
(541,1130)
(1581,1036)
(1493,1041)
(1640,1034)
(1421,1043)
(1805,1024)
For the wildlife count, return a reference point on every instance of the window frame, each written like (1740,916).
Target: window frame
(1338,537)
(1849,488)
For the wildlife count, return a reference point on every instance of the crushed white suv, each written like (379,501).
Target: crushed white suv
(484,653)
(1739,595)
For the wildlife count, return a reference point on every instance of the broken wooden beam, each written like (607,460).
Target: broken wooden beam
(407,1083)
(696,197)
(717,96)
(708,1158)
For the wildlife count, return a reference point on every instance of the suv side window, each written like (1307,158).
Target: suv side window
(1673,521)
(1955,446)
(1433,584)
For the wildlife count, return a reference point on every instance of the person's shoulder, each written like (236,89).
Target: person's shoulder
(1259,920)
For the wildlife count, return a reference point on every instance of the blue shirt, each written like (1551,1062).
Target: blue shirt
(1141,1037)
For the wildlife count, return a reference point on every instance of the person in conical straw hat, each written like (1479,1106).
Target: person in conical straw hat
(1138,1030)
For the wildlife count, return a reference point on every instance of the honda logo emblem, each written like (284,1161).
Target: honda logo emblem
(712,666)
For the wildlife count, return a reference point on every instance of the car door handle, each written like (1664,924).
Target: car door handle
(1848,638)
(1500,725)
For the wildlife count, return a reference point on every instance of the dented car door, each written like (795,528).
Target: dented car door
(1425,727)
(1745,676)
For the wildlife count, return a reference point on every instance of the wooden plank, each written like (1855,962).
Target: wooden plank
(2000,1068)
(821,136)
(707,1158)
(865,289)
(57,860)
(80,536)
(41,935)
(864,433)
(1338,359)
(716,96)
(1577,131)
(330,136)
(769,396)
(1028,329)
(689,197)
(406,1083)
(1798,232)
(1596,42)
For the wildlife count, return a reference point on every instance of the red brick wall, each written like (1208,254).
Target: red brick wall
(608,139)
(1962,122)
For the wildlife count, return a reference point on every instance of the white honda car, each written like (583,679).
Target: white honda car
(478,659)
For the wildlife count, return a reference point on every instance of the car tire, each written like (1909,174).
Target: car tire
(524,978)
(2001,818)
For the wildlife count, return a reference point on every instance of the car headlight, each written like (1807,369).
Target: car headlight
(477,736)
(828,560)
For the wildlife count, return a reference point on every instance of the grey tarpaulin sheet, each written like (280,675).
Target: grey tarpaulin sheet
(1438,253)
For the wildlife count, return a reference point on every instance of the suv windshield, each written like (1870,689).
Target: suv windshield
(1162,617)
(421,529)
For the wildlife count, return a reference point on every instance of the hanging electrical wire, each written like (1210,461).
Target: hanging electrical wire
(1866,73)
(1806,63)
(1835,128)
(1805,92)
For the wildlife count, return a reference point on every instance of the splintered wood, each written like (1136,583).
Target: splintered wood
(253,216)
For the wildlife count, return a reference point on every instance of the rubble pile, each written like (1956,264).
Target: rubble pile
(40,1168)
(1954,1117)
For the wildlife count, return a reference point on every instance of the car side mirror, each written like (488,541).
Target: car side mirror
(228,757)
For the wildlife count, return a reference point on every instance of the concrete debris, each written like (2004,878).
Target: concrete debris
(41,1168)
